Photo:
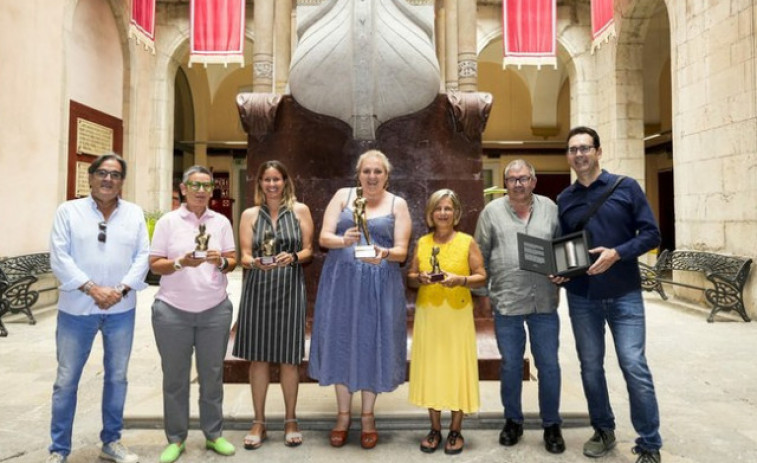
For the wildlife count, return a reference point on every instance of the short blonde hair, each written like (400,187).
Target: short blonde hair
(373,154)
(434,200)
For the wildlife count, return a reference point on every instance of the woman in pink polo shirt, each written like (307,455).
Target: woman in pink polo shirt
(192,311)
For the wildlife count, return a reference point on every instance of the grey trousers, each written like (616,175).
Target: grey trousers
(177,333)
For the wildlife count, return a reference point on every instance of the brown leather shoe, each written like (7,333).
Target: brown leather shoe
(368,439)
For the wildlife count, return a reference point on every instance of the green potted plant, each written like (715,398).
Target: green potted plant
(151,218)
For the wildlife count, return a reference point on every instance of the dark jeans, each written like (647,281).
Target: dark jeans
(625,317)
(543,333)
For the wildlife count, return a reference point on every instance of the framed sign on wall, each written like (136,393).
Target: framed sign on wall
(90,134)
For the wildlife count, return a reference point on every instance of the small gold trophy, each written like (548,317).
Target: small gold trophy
(436,273)
(269,248)
(358,214)
(202,238)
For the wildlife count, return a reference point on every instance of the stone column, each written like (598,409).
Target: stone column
(467,65)
(262,50)
(450,7)
(283,43)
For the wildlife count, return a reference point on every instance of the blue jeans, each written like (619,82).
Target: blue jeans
(625,317)
(544,336)
(74,338)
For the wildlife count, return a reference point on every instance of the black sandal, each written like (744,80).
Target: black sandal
(434,437)
(452,438)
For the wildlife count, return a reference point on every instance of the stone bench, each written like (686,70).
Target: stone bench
(235,370)
(24,280)
(728,275)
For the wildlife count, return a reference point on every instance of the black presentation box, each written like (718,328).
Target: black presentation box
(566,256)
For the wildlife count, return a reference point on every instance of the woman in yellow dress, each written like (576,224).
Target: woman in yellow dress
(443,365)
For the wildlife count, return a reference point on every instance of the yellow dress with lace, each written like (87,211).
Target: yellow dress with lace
(443,362)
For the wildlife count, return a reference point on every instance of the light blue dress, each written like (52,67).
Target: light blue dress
(359,336)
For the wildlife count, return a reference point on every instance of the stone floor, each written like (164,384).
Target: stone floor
(705,375)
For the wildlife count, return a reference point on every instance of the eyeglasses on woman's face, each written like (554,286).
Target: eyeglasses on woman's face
(197,186)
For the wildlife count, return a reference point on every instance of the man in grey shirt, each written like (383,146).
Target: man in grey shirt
(521,298)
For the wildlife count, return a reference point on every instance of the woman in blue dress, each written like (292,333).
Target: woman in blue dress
(359,338)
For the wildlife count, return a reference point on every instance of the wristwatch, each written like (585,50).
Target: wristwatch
(177,264)
(122,289)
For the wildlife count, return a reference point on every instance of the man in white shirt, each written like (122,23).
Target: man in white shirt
(99,253)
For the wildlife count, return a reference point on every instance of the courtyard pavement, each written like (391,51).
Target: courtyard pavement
(705,375)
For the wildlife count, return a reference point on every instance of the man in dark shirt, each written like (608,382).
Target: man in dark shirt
(622,229)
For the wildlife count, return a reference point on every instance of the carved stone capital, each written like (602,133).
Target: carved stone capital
(467,68)
(258,112)
(263,70)
(470,112)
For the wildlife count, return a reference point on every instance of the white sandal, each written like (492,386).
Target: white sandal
(292,439)
(254,441)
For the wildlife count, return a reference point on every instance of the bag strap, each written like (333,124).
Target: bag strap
(585,219)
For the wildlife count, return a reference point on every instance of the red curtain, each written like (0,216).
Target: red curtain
(142,24)
(217,32)
(602,22)
(529,36)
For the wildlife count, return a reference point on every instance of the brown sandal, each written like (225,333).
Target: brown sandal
(338,437)
(368,439)
(452,438)
(434,438)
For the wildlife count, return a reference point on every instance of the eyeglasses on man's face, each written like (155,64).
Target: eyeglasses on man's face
(584,149)
(523,179)
(114,174)
(103,235)
(197,186)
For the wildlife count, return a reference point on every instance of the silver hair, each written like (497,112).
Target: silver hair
(519,163)
(196,170)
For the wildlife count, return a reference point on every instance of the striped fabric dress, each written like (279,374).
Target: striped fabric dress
(271,321)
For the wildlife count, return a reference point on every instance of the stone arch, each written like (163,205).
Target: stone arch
(172,50)
(544,85)
(121,16)
(627,112)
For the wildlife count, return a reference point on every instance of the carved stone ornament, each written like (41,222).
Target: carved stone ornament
(263,70)
(470,112)
(258,112)
(467,68)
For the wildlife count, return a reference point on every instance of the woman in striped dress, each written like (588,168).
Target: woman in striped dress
(271,323)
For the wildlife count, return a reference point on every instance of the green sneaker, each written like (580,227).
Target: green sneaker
(600,443)
(172,453)
(220,446)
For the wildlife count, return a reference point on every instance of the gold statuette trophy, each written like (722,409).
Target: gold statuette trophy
(202,238)
(269,249)
(436,273)
(358,214)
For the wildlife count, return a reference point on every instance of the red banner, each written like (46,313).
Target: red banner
(217,32)
(142,24)
(529,32)
(602,22)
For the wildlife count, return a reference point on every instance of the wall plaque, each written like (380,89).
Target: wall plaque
(82,179)
(93,138)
